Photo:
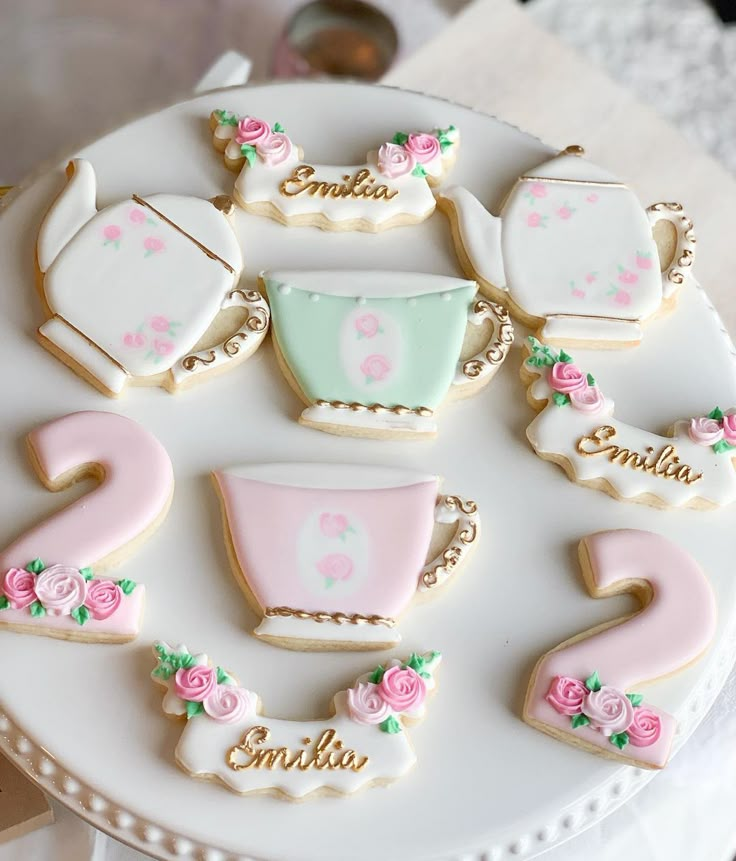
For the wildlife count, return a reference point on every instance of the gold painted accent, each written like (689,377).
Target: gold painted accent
(223,203)
(665,463)
(191,362)
(573,149)
(320,616)
(4,189)
(497,351)
(398,410)
(592,182)
(320,757)
(92,344)
(353,186)
(203,248)
(685,260)
(456,551)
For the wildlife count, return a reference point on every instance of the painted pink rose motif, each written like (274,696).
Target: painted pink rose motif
(368,326)
(588,400)
(565,212)
(366,705)
(729,429)
(403,689)
(425,148)
(229,704)
(334,567)
(538,190)
(160,323)
(592,198)
(645,727)
(627,276)
(534,219)
(578,293)
(195,684)
(19,588)
(566,695)
(565,377)
(376,368)
(112,234)
(643,260)
(275,149)
(622,297)
(153,245)
(103,598)
(61,589)
(704,431)
(609,710)
(395,161)
(137,216)
(133,340)
(590,277)
(252,131)
(334,525)
(162,346)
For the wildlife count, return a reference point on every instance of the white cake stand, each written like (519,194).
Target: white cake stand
(85,722)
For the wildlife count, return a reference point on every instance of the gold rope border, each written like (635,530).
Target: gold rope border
(321,616)
(355,407)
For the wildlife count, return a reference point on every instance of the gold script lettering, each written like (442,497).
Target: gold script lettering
(665,463)
(328,752)
(361,184)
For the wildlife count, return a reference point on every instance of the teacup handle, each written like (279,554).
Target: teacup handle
(682,259)
(464,513)
(239,345)
(483,365)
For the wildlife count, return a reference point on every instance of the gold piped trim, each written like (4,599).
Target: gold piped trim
(92,344)
(592,182)
(203,248)
(466,536)
(190,363)
(322,616)
(398,410)
(687,233)
(496,352)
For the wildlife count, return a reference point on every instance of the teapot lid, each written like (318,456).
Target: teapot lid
(570,165)
(203,222)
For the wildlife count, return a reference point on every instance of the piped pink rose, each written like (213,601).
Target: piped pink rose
(375,368)
(403,689)
(229,704)
(19,588)
(424,147)
(61,589)
(645,727)
(252,131)
(566,695)
(395,161)
(588,400)
(275,149)
(564,377)
(366,705)
(195,684)
(103,598)
(609,710)
(705,431)
(729,429)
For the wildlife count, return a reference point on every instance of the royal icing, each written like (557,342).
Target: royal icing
(392,186)
(334,553)
(573,250)
(132,288)
(378,352)
(576,428)
(47,585)
(578,691)
(227,737)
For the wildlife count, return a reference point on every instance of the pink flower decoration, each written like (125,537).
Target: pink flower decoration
(705,431)
(61,589)
(275,149)
(729,429)
(162,346)
(229,704)
(578,293)
(622,297)
(333,525)
(588,400)
(538,189)
(590,277)
(564,377)
(19,588)
(566,695)
(592,198)
(609,710)
(534,219)
(643,260)
(252,131)
(153,245)
(159,324)
(375,368)
(133,339)
(403,689)
(564,212)
(103,598)
(367,325)
(628,277)
(645,727)
(366,705)
(425,148)
(335,566)
(137,216)
(112,232)
(195,684)
(395,161)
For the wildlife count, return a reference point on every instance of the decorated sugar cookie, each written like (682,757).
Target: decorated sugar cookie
(572,252)
(392,187)
(376,353)
(132,289)
(694,466)
(51,577)
(332,554)
(584,691)
(228,738)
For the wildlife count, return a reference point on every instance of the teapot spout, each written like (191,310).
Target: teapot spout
(479,235)
(71,210)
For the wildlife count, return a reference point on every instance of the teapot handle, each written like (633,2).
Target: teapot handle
(236,347)
(481,367)
(464,513)
(682,259)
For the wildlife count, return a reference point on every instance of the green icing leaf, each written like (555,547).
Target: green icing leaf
(445,143)
(591,380)
(194,709)
(593,683)
(715,414)
(225,118)
(425,675)
(4,603)
(419,171)
(579,720)
(35,567)
(564,357)
(86,573)
(722,446)
(80,615)
(400,138)
(433,655)
(277,127)
(377,675)
(416,662)
(620,739)
(560,399)
(162,671)
(223,678)
(127,586)
(37,609)
(390,725)
(636,699)
(249,151)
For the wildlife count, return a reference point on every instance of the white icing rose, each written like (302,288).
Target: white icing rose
(609,710)
(395,161)
(61,589)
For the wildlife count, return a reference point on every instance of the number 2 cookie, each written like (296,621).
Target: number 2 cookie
(572,252)
(392,187)
(132,289)
(228,738)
